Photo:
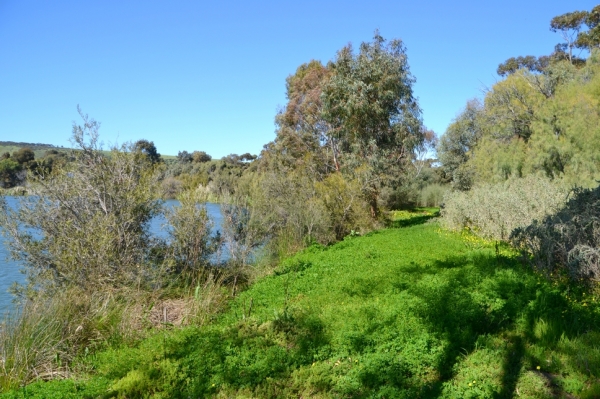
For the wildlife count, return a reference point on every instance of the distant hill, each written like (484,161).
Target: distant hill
(33,146)
(38,148)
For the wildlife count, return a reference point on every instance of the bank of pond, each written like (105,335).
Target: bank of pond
(407,312)
(10,270)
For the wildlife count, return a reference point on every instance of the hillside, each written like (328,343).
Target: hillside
(408,312)
(38,148)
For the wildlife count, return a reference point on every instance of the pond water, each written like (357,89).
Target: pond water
(10,270)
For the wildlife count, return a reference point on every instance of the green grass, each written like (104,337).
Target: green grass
(412,312)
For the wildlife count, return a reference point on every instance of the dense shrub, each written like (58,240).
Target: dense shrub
(494,211)
(86,224)
(568,241)
(432,195)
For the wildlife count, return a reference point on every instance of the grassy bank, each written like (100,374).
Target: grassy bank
(406,312)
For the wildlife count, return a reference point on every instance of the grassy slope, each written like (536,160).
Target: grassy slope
(407,312)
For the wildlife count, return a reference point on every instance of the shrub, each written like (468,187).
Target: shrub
(86,224)
(171,187)
(11,173)
(432,195)
(567,241)
(494,211)
(191,242)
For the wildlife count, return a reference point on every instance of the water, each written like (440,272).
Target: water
(10,270)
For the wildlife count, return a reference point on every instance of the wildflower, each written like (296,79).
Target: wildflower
(538,367)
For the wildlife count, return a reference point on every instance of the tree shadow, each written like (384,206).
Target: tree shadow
(415,218)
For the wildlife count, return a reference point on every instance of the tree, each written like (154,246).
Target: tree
(373,116)
(148,149)
(247,157)
(184,157)
(569,25)
(23,155)
(201,157)
(456,145)
(11,173)
(301,127)
(529,62)
(591,38)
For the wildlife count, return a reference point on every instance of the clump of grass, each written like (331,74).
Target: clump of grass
(30,345)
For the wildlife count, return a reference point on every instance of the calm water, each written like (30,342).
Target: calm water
(10,270)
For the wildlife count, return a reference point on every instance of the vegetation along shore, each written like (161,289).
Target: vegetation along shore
(366,256)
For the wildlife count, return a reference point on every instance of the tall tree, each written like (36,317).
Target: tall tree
(456,145)
(373,115)
(301,128)
(569,25)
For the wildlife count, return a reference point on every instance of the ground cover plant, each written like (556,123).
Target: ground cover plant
(411,312)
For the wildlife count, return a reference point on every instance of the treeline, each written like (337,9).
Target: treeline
(516,156)
(15,167)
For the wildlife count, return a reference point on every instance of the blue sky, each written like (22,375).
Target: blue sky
(210,75)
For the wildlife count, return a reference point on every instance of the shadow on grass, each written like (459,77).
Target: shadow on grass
(487,295)
(459,300)
(411,217)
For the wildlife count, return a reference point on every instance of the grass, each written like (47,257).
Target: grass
(411,312)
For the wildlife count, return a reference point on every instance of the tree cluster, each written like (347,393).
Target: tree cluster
(541,118)
(346,138)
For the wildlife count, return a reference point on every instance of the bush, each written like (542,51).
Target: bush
(191,242)
(432,195)
(494,211)
(11,173)
(567,241)
(86,224)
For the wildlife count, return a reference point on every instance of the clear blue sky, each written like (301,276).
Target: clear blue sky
(200,75)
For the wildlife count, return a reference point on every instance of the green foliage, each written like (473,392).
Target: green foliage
(529,124)
(495,211)
(148,149)
(456,145)
(86,224)
(191,242)
(568,241)
(432,195)
(11,173)
(346,142)
(411,312)
(23,155)
(542,117)
(200,157)
(529,62)
(369,104)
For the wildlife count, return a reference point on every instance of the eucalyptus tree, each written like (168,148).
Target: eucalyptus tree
(372,114)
